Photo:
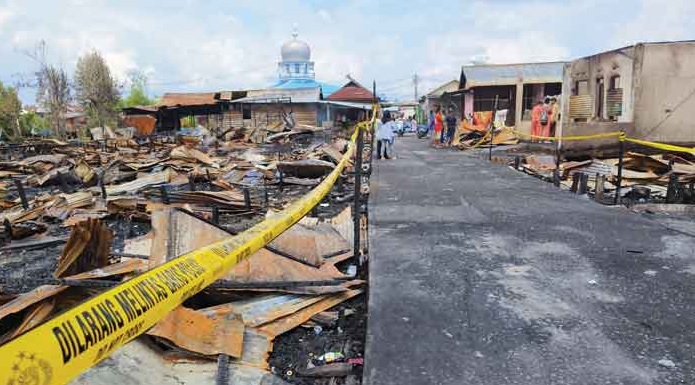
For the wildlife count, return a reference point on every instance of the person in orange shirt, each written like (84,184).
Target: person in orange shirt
(536,120)
(438,127)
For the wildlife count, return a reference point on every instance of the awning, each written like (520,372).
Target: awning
(362,106)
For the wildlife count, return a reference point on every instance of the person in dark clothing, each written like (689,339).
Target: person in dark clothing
(450,127)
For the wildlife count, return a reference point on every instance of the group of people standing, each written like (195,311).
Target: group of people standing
(441,136)
(544,117)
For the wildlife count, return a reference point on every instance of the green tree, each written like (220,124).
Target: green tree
(137,96)
(96,89)
(10,109)
(30,122)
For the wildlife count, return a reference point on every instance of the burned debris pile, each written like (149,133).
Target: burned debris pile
(79,218)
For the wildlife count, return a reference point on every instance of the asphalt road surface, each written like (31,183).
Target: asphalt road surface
(483,275)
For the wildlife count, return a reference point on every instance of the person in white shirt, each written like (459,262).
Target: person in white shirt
(384,135)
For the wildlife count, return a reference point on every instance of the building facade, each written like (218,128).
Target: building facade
(513,87)
(646,90)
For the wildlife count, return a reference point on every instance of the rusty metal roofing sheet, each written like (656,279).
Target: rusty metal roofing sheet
(509,74)
(188,99)
(27,299)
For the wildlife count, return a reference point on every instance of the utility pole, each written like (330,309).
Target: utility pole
(416,79)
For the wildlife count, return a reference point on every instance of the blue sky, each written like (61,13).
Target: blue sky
(186,45)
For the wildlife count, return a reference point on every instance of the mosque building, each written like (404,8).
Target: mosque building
(296,70)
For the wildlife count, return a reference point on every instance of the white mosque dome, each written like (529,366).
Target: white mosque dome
(296,50)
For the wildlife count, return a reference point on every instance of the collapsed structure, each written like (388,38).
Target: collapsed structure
(80,219)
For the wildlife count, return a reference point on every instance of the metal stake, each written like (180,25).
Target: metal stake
(247,198)
(671,191)
(216,215)
(621,153)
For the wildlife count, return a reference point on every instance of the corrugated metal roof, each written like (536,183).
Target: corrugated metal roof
(271,95)
(363,106)
(449,86)
(292,84)
(509,74)
(188,99)
(352,92)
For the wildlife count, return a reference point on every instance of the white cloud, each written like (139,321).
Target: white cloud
(325,15)
(6,14)
(189,45)
(659,21)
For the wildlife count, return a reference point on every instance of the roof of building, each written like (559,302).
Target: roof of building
(449,86)
(292,84)
(352,92)
(689,42)
(362,106)
(271,95)
(509,74)
(171,99)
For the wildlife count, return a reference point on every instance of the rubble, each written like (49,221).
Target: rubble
(645,178)
(100,213)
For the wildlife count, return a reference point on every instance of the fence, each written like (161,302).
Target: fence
(622,139)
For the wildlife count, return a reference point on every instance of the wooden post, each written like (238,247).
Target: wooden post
(358,192)
(22,194)
(600,188)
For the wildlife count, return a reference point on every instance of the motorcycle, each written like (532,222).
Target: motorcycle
(400,128)
(422,131)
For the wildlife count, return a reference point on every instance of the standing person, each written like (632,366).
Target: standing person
(413,124)
(450,127)
(554,115)
(438,127)
(536,120)
(384,135)
(545,118)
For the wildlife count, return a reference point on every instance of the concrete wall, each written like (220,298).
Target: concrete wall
(658,82)
(665,93)
(605,65)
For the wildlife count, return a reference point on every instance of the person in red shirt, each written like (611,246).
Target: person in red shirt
(438,127)
(536,120)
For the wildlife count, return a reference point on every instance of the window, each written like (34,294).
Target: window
(246,113)
(581,87)
(615,82)
(614,98)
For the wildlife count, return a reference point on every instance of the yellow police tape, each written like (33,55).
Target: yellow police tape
(62,348)
(480,142)
(657,145)
(565,138)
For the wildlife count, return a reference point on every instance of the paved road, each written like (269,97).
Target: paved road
(483,275)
